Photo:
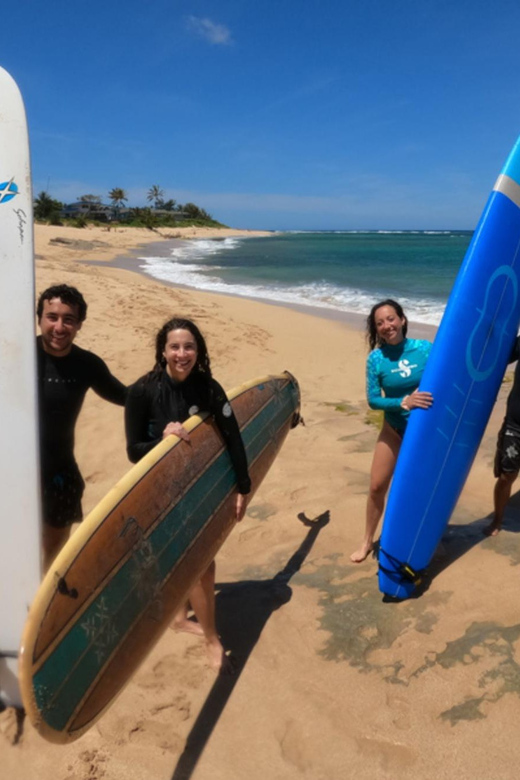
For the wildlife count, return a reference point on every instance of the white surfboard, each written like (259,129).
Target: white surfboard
(20,530)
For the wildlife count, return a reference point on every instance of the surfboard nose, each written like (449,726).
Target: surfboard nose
(297,418)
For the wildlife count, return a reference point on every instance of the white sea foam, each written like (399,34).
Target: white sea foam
(202,248)
(182,268)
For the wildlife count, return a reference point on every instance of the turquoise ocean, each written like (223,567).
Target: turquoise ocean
(340,271)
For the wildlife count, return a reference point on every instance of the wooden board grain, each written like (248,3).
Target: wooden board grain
(115,587)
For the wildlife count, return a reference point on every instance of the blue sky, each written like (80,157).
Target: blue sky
(280,114)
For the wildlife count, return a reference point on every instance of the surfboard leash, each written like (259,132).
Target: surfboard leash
(407,572)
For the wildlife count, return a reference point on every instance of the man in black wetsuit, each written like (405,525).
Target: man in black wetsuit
(65,373)
(507,458)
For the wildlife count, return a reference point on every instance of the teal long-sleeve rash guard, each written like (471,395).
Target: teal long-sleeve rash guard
(396,371)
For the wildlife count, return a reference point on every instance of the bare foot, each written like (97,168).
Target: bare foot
(362,554)
(228,665)
(219,660)
(492,530)
(187,626)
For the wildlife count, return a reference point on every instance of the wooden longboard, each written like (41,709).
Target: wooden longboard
(20,564)
(116,585)
(464,372)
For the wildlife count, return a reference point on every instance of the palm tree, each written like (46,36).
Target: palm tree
(156,194)
(46,207)
(118,197)
(90,199)
(195,212)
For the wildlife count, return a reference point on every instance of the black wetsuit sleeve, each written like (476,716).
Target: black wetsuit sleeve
(227,424)
(137,417)
(515,353)
(105,384)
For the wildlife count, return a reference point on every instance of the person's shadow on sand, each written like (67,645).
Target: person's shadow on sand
(243,609)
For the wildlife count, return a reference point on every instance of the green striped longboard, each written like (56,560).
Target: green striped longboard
(116,585)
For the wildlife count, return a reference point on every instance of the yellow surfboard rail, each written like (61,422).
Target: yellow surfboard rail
(73,549)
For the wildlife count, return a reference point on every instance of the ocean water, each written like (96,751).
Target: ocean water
(335,270)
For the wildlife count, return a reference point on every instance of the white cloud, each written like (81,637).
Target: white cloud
(217,34)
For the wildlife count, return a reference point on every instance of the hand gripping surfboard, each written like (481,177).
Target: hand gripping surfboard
(116,585)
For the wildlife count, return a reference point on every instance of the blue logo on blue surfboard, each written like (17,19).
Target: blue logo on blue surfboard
(8,190)
(480,342)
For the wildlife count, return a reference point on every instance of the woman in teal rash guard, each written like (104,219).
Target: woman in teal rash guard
(394,369)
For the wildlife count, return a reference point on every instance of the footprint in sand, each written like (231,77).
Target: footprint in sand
(156,735)
(179,703)
(261,511)
(391,757)
(92,765)
(400,710)
(171,670)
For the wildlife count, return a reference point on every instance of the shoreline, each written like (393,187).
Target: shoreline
(136,240)
(131,262)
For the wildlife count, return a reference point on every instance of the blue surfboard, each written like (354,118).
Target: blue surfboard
(464,372)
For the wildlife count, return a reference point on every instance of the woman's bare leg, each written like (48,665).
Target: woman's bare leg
(383,465)
(202,599)
(181,622)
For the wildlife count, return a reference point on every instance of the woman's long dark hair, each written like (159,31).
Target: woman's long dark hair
(372,335)
(180,323)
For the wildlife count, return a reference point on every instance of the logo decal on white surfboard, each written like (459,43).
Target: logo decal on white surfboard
(8,190)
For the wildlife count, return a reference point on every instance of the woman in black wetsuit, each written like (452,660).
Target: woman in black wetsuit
(180,385)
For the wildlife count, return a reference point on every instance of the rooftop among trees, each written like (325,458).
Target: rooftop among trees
(90,208)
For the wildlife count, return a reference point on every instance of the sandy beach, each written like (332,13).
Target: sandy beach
(331,682)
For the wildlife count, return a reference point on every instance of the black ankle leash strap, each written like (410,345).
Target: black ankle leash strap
(402,568)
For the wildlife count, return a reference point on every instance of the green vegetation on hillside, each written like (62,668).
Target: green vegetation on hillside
(89,209)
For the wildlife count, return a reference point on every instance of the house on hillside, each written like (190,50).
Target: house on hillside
(89,210)
(103,213)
